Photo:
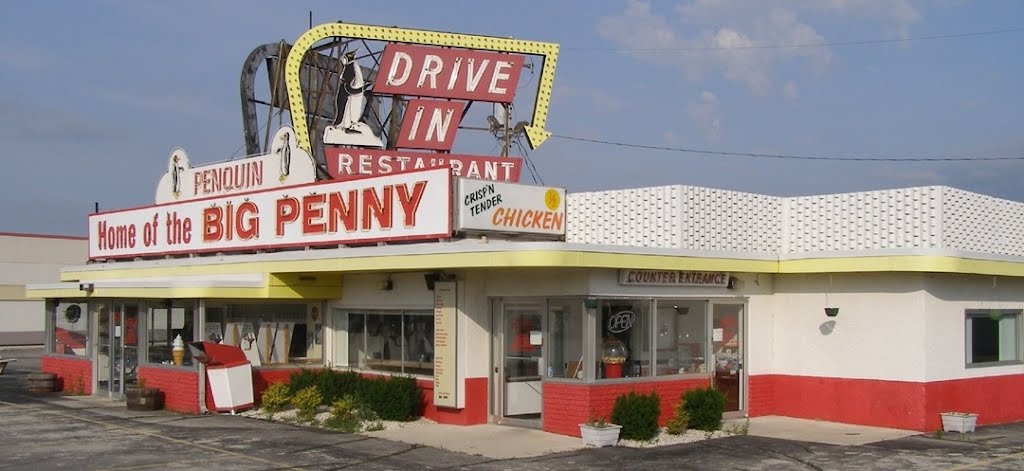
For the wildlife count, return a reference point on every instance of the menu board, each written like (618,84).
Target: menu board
(446,376)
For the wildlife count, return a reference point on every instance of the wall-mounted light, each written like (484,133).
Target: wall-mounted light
(590,303)
(387,285)
(681,310)
(87,287)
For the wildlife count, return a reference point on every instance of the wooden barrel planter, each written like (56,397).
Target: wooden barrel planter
(42,382)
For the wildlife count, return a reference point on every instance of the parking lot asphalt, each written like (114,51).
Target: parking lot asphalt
(50,431)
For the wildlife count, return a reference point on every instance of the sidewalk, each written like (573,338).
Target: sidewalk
(490,440)
(817,431)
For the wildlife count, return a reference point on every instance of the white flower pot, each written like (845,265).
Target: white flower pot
(958,421)
(600,436)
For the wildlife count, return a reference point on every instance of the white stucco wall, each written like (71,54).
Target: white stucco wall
(948,299)
(878,334)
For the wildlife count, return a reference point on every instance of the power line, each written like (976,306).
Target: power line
(798,45)
(782,156)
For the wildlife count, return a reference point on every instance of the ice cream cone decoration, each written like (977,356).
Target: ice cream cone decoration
(178,352)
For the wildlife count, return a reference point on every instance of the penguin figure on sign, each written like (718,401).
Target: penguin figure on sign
(353,92)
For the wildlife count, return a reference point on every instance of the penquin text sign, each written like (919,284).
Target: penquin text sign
(409,206)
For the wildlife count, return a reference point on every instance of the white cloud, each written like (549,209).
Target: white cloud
(706,115)
(733,54)
(897,15)
(723,38)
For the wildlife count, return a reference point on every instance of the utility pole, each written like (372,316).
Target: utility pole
(506,136)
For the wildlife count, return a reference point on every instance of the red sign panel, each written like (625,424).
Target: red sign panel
(348,164)
(430,124)
(463,74)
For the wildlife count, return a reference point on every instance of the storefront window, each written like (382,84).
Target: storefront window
(275,334)
(565,331)
(993,337)
(71,329)
(624,338)
(399,342)
(166,322)
(680,333)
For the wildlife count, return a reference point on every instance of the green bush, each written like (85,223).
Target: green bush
(394,397)
(335,385)
(390,397)
(306,401)
(276,397)
(704,408)
(351,415)
(680,420)
(638,415)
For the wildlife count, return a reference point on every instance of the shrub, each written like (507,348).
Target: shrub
(680,420)
(704,408)
(303,379)
(275,397)
(351,415)
(638,415)
(390,397)
(306,401)
(334,385)
(394,398)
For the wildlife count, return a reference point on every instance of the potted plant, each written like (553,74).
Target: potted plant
(139,397)
(958,421)
(598,432)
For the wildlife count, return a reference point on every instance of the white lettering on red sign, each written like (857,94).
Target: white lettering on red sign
(463,74)
(430,124)
(348,164)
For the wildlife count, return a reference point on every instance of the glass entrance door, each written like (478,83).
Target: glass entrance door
(522,361)
(727,354)
(117,347)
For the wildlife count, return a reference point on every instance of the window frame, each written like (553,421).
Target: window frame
(970,315)
(366,313)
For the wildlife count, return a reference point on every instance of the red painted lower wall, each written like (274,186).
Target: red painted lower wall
(566,405)
(179,385)
(897,404)
(74,374)
(996,399)
(475,411)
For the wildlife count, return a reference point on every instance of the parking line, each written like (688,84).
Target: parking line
(155,435)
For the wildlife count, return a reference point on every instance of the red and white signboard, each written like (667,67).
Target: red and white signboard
(410,206)
(285,165)
(464,74)
(507,207)
(347,164)
(430,124)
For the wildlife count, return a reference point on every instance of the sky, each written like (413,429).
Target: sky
(95,95)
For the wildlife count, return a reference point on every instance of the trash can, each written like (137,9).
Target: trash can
(228,373)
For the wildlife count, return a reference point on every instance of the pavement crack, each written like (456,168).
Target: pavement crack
(328,445)
(793,458)
(381,457)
